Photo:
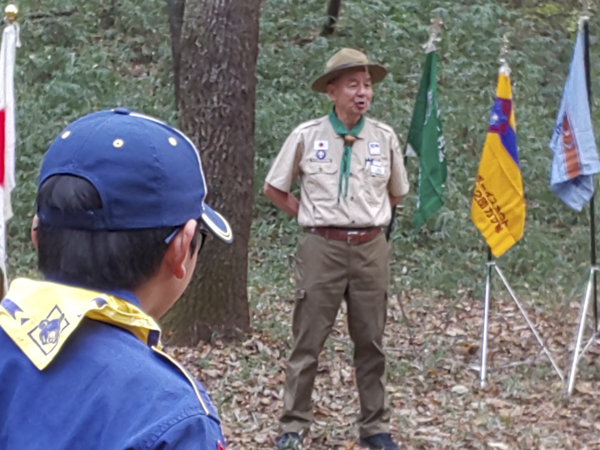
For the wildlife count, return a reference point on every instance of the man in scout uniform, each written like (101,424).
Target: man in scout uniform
(352,173)
(120,221)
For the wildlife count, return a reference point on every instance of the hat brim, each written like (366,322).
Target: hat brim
(217,224)
(377,72)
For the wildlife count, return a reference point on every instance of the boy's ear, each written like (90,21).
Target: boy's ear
(178,251)
(34,225)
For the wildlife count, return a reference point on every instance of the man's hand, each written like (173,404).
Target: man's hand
(283,200)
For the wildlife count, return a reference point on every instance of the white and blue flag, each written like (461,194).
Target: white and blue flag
(575,158)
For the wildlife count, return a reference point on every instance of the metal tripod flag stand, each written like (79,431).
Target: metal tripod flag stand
(498,215)
(590,290)
(490,266)
(591,286)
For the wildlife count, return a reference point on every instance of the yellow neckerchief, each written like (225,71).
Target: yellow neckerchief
(39,316)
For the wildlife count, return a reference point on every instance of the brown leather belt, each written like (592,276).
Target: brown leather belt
(348,235)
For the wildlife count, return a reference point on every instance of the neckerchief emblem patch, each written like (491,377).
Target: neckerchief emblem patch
(46,334)
(39,316)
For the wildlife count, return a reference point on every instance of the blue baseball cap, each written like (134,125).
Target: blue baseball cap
(148,174)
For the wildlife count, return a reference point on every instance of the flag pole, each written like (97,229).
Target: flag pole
(591,287)
(586,60)
(489,266)
(486,317)
(8,133)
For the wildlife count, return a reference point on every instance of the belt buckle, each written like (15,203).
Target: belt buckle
(350,235)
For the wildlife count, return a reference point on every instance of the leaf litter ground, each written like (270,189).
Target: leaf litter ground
(433,352)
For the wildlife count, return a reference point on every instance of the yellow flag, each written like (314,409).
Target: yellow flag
(498,207)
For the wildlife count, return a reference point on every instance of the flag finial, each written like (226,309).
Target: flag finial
(435,30)
(504,49)
(10,12)
(585,14)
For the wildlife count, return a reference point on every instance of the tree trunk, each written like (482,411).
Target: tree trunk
(219,48)
(333,12)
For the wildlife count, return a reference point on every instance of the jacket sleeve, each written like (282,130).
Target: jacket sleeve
(197,432)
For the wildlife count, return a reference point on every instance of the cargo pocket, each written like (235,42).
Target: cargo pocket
(298,315)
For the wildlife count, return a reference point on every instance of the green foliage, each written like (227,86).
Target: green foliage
(448,255)
(101,55)
(118,53)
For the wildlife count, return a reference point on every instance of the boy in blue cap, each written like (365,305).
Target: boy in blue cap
(120,221)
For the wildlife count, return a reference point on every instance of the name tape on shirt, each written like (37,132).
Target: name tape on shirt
(374,148)
(377,168)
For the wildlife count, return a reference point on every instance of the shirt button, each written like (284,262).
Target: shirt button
(351,198)
(320,169)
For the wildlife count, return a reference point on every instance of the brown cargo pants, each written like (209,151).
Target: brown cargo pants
(328,271)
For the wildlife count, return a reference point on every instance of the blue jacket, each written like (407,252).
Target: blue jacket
(106,389)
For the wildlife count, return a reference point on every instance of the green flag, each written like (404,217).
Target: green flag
(426,140)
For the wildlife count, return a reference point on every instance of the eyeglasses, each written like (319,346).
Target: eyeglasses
(201,233)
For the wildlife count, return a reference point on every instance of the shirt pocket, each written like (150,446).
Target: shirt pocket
(377,175)
(321,180)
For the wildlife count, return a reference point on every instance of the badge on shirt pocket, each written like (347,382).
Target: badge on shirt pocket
(377,168)
(374,148)
(321,148)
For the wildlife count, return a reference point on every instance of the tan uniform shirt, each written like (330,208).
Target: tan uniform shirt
(314,152)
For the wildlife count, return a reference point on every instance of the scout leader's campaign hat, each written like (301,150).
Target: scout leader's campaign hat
(345,60)
(147,173)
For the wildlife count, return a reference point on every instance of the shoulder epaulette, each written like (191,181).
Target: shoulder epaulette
(381,125)
(310,123)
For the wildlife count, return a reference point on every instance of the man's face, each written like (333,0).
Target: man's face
(351,93)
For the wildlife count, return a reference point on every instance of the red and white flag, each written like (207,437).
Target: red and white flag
(8,50)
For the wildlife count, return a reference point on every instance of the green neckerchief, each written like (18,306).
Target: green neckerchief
(341,129)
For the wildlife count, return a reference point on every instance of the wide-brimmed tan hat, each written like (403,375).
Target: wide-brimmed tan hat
(347,59)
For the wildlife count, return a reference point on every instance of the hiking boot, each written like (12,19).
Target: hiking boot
(289,441)
(381,441)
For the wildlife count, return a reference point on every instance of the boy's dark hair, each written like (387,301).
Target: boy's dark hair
(94,259)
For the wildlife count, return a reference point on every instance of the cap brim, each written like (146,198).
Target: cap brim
(377,72)
(217,224)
